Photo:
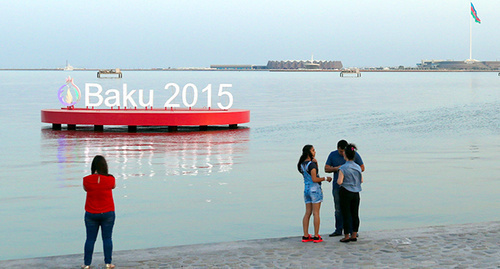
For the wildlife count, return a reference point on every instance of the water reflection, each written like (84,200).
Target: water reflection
(149,153)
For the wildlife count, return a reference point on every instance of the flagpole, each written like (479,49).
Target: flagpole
(470,38)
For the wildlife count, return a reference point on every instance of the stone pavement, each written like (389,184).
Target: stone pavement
(475,245)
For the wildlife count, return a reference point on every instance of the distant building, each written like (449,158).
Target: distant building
(301,64)
(459,65)
(296,64)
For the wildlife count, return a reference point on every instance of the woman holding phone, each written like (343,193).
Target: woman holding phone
(99,210)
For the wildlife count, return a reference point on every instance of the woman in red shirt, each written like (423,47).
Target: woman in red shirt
(99,210)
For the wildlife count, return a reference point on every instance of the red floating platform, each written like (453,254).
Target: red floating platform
(144,117)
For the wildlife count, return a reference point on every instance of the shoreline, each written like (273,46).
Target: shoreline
(254,70)
(472,245)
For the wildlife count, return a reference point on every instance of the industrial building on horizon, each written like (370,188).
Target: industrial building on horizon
(459,65)
(300,64)
(285,65)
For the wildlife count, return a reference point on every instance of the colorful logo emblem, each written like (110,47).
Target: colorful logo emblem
(69,94)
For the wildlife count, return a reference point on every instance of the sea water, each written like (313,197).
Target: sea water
(430,143)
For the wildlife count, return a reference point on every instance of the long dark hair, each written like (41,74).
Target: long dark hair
(99,164)
(350,151)
(306,152)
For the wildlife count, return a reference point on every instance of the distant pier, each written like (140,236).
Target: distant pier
(350,72)
(112,72)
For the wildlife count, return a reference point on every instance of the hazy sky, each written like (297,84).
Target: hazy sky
(195,33)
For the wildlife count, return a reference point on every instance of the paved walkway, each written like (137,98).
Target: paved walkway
(474,245)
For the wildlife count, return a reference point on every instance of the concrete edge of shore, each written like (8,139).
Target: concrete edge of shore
(449,246)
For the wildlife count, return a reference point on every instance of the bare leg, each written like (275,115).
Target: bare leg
(305,220)
(316,208)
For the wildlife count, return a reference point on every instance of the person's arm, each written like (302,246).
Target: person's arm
(361,178)
(317,179)
(328,164)
(340,180)
(359,161)
(331,169)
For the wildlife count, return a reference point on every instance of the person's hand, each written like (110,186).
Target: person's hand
(329,179)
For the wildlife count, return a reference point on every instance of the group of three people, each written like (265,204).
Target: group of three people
(347,167)
(100,208)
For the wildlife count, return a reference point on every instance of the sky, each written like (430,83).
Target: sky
(196,33)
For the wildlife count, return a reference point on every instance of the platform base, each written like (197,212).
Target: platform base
(173,118)
(132,128)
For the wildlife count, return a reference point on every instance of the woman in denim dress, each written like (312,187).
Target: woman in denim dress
(313,195)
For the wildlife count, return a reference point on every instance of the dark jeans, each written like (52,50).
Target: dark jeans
(339,221)
(349,204)
(92,222)
(338,215)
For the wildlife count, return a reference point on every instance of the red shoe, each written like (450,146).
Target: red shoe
(317,239)
(307,239)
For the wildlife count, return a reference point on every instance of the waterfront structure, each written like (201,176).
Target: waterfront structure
(68,67)
(301,64)
(294,64)
(459,65)
(311,64)
(350,72)
(110,72)
(232,66)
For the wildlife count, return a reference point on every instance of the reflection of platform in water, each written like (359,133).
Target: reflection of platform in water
(151,154)
(144,117)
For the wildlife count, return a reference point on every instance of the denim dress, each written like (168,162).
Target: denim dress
(312,190)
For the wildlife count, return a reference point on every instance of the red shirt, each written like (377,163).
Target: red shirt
(99,193)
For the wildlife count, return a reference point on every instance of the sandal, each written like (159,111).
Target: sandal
(109,265)
(345,240)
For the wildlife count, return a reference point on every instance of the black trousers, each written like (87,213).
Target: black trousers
(349,206)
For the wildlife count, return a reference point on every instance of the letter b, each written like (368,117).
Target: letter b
(97,94)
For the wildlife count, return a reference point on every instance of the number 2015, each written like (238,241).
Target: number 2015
(191,88)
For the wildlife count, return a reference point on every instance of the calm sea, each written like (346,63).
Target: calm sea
(430,143)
